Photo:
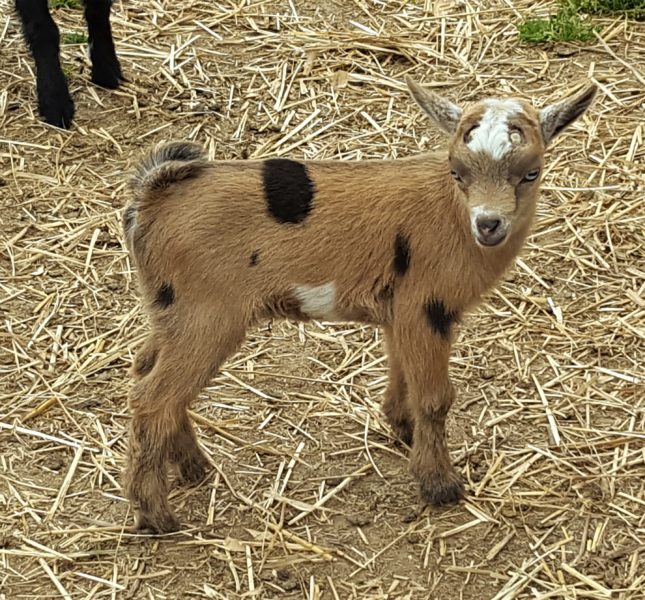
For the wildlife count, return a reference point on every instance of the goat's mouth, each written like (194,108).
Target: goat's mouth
(495,239)
(490,230)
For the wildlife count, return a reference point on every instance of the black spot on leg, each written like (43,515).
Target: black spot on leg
(288,190)
(439,317)
(401,254)
(255,257)
(165,296)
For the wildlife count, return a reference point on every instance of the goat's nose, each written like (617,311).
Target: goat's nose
(487,226)
(490,230)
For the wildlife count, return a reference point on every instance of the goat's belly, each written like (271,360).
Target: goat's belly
(321,302)
(325,303)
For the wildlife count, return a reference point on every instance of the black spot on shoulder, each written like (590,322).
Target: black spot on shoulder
(165,296)
(255,258)
(439,317)
(288,190)
(401,254)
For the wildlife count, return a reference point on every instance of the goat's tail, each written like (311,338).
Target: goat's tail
(164,165)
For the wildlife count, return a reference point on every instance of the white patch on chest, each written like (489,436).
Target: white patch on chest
(492,135)
(317,302)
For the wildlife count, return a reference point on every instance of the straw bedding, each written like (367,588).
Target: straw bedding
(309,495)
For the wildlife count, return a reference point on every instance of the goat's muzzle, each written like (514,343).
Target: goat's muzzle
(490,230)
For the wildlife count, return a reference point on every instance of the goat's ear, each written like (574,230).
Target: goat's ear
(443,113)
(555,118)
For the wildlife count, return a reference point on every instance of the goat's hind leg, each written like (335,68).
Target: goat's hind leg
(160,430)
(187,455)
(106,70)
(145,480)
(221,339)
(184,451)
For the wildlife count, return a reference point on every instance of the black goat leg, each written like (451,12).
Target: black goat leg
(106,70)
(55,105)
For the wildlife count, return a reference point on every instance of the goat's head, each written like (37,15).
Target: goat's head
(496,154)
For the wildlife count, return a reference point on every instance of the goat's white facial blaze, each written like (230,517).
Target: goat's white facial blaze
(318,302)
(475,212)
(492,135)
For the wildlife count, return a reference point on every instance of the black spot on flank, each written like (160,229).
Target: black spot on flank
(255,257)
(439,317)
(165,296)
(288,190)
(401,254)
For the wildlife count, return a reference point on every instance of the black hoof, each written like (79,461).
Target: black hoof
(55,105)
(107,73)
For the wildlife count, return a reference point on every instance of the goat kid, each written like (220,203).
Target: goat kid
(55,104)
(409,245)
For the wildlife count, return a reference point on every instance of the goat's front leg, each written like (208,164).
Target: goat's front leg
(396,407)
(424,350)
(106,70)
(146,357)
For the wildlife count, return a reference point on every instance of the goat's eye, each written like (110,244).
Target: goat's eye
(532,175)
(456,176)
(468,135)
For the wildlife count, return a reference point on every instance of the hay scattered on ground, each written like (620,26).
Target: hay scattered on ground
(310,496)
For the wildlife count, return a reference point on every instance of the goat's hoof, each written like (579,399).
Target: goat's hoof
(156,524)
(55,105)
(439,489)
(59,113)
(194,470)
(107,73)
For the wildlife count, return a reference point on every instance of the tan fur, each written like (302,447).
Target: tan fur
(193,225)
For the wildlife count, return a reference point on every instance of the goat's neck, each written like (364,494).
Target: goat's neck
(485,265)
(497,260)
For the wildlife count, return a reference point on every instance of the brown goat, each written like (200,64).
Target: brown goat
(405,244)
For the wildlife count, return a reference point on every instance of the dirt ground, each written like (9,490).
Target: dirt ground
(310,496)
